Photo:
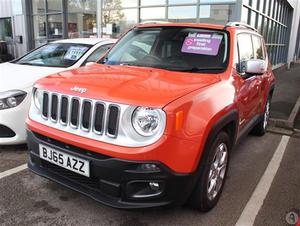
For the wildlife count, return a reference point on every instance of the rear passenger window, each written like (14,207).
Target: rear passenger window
(258,48)
(245,47)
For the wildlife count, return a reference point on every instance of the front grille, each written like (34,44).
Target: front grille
(81,114)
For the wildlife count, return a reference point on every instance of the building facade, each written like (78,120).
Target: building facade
(48,20)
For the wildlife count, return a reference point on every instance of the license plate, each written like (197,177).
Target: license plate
(70,162)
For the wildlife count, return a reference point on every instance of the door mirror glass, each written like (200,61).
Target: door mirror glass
(253,67)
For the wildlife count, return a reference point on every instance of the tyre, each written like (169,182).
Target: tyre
(213,173)
(261,127)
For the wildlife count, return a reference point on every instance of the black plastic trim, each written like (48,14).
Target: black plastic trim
(110,176)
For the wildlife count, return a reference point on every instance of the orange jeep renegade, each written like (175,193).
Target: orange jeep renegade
(153,122)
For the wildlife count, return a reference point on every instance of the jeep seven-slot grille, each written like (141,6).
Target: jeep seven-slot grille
(81,114)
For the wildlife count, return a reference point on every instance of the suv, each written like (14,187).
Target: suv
(154,122)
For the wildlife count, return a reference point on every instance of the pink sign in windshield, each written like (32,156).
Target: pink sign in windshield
(205,43)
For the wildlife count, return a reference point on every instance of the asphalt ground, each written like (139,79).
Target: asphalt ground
(286,91)
(27,199)
(297,122)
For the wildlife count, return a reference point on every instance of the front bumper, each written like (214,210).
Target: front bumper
(15,120)
(114,182)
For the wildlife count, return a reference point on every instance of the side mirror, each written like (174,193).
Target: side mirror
(253,67)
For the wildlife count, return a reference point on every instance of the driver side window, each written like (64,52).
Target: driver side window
(245,50)
(139,49)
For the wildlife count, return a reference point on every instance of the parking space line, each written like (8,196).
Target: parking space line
(13,171)
(254,204)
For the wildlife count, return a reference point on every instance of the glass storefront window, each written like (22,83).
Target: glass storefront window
(259,24)
(5,29)
(54,6)
(55,26)
(113,4)
(182,1)
(182,13)
(38,6)
(245,13)
(81,22)
(129,3)
(40,42)
(157,13)
(253,19)
(39,23)
(254,4)
(215,14)
(214,1)
(79,6)
(152,2)
(116,22)
(261,5)
(82,25)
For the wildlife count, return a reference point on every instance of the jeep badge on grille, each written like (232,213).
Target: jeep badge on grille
(78,89)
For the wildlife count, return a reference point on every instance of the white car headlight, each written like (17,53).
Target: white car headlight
(147,121)
(11,99)
(37,98)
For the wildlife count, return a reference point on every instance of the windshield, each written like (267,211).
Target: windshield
(172,48)
(55,55)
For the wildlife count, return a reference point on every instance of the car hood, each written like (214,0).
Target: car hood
(138,86)
(17,76)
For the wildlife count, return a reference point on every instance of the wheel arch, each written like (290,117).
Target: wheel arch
(228,123)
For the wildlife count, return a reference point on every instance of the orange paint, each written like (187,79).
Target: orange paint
(193,103)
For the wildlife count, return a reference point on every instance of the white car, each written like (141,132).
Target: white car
(17,78)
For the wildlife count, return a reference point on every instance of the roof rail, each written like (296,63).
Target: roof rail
(154,22)
(240,24)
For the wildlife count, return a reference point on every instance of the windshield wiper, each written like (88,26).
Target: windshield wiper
(25,63)
(199,69)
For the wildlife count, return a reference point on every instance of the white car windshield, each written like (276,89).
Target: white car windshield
(55,55)
(172,48)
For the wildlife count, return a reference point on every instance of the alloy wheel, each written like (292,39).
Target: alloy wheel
(266,114)
(217,171)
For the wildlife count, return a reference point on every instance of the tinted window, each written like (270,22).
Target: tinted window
(258,48)
(55,55)
(172,48)
(245,47)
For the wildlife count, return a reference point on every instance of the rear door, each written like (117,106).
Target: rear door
(260,53)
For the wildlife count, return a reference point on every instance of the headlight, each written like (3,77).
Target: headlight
(37,98)
(11,99)
(146,121)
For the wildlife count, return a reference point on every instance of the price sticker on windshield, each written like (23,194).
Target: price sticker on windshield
(205,43)
(75,52)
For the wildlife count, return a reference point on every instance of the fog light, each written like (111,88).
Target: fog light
(148,167)
(154,186)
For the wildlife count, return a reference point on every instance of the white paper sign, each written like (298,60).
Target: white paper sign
(75,52)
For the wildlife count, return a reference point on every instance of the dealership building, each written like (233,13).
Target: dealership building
(27,24)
